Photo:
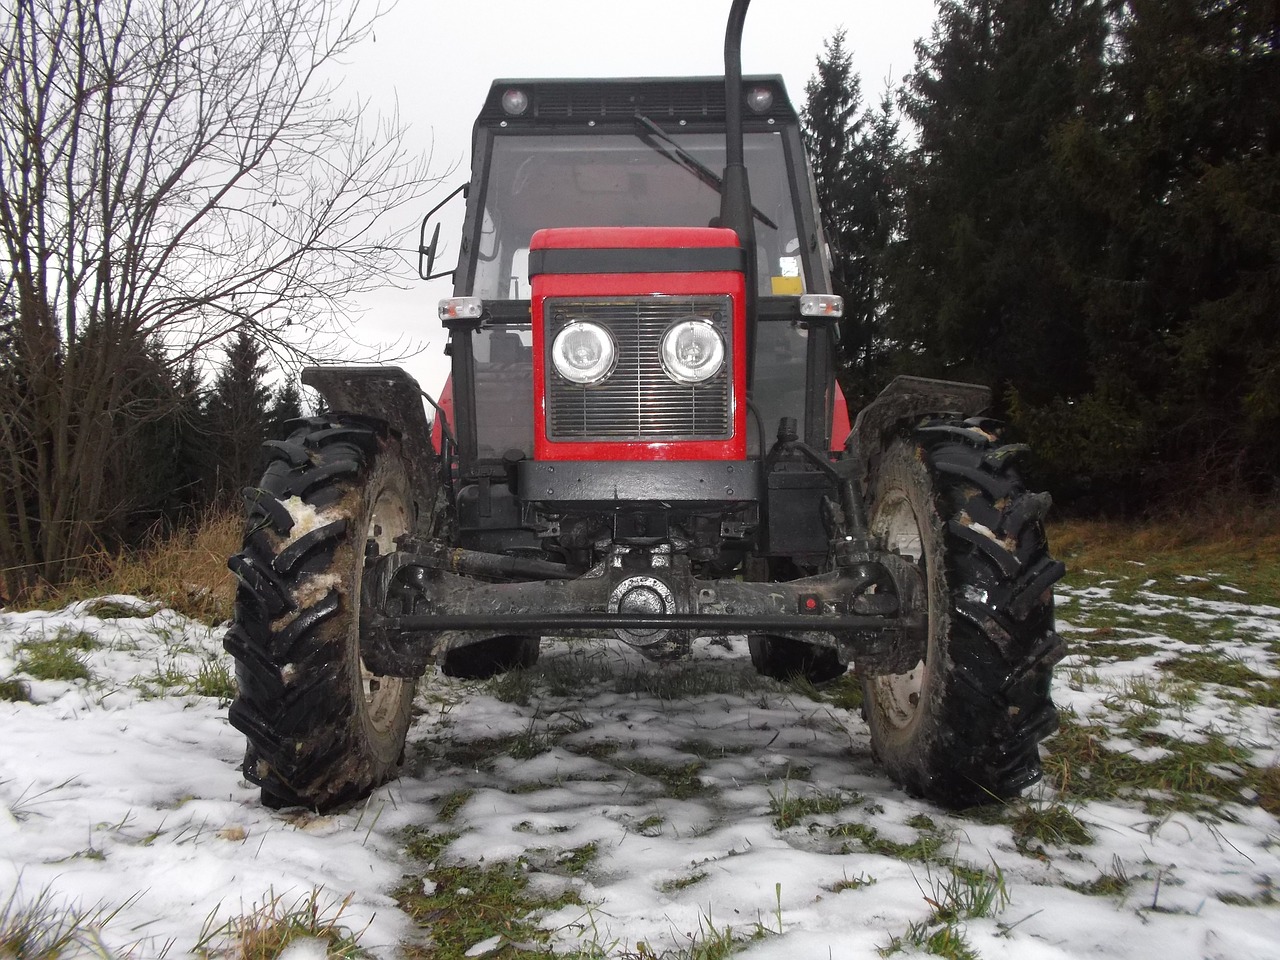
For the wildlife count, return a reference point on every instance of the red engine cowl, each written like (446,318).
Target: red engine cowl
(638,283)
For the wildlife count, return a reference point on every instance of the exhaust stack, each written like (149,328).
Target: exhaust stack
(736,211)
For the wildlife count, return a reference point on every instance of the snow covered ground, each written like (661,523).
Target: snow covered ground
(602,806)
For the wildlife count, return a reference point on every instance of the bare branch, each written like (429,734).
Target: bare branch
(170,170)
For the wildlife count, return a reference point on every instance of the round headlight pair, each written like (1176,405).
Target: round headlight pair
(692,351)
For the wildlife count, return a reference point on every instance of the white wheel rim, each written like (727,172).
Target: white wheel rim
(898,695)
(382,695)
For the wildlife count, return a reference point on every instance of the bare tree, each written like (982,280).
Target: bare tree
(170,171)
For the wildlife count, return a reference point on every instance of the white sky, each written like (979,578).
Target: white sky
(436,61)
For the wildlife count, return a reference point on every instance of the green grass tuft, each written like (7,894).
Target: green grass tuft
(716,751)
(577,860)
(847,882)
(1190,776)
(788,809)
(845,693)
(961,893)
(923,849)
(215,679)
(683,883)
(514,686)
(464,904)
(452,804)
(1050,823)
(681,782)
(1110,883)
(423,844)
(59,658)
(529,744)
(14,690)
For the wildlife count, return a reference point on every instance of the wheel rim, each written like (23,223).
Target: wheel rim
(388,519)
(897,696)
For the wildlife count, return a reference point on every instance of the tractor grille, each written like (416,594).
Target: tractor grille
(639,401)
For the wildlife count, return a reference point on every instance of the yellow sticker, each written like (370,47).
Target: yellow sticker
(787,286)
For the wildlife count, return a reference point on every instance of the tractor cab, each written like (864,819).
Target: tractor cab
(593,229)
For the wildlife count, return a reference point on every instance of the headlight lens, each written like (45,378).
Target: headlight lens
(584,353)
(692,351)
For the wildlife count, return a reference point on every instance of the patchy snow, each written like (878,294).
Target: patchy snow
(123,791)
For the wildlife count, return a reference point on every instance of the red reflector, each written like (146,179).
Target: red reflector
(810,603)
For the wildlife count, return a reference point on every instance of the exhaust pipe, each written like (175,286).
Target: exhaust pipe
(736,211)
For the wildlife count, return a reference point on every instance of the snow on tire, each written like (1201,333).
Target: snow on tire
(322,730)
(963,727)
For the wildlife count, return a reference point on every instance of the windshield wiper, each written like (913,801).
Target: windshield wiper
(679,155)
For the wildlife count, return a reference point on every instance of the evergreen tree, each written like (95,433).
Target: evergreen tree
(286,406)
(986,286)
(237,415)
(875,211)
(831,119)
(1186,311)
(853,153)
(151,484)
(190,445)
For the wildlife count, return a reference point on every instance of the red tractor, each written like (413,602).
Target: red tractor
(642,438)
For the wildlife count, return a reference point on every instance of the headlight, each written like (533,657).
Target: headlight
(584,353)
(692,351)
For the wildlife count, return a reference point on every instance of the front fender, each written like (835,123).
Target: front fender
(906,400)
(391,395)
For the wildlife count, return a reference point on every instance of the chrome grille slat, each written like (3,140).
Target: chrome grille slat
(639,401)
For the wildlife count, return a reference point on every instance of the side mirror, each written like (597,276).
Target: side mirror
(427,251)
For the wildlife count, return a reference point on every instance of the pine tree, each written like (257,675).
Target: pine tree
(831,119)
(286,406)
(1187,308)
(853,153)
(875,211)
(153,484)
(984,287)
(237,414)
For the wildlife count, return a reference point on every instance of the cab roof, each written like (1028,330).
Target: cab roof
(693,99)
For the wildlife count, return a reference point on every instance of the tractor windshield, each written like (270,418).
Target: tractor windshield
(623,180)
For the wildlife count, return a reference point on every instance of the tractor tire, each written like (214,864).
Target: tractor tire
(963,727)
(322,731)
(488,658)
(784,658)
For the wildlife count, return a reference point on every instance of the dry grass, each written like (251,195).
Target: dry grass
(185,570)
(1241,541)
(271,926)
(48,929)
(1221,533)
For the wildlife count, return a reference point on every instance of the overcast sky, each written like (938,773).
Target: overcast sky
(436,61)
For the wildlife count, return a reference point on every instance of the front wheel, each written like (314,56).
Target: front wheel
(322,729)
(963,726)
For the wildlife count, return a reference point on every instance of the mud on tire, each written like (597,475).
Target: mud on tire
(964,726)
(321,730)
